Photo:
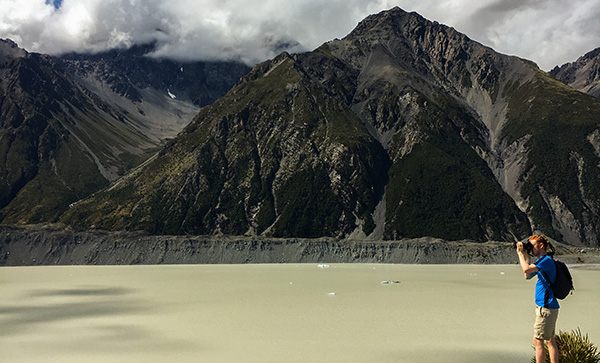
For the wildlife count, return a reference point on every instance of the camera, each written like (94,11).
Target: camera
(527,246)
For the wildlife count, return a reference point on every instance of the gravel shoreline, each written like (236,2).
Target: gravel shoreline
(52,245)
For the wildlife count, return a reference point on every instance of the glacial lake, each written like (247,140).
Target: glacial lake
(279,313)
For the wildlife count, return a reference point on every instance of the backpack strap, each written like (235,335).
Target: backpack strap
(548,282)
(547,293)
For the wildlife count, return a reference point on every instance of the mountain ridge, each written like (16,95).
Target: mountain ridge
(322,87)
(66,131)
(583,74)
(47,123)
(163,94)
(402,129)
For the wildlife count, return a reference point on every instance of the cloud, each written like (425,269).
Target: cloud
(549,32)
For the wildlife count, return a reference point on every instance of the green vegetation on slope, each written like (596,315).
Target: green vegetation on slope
(270,156)
(560,158)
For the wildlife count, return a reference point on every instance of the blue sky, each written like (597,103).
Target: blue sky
(55,3)
(548,32)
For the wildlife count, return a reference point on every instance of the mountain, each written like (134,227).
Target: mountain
(583,74)
(162,94)
(404,128)
(68,130)
(58,143)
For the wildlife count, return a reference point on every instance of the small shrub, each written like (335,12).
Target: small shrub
(574,347)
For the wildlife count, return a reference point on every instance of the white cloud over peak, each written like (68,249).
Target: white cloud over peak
(549,32)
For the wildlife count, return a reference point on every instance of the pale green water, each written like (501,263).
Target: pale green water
(278,313)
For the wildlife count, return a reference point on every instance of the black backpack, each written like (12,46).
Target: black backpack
(563,284)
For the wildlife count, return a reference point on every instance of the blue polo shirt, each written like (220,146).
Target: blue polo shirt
(543,292)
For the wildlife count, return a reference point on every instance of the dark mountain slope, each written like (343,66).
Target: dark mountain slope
(57,143)
(538,137)
(69,126)
(404,128)
(259,160)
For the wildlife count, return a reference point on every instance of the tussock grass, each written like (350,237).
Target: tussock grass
(574,347)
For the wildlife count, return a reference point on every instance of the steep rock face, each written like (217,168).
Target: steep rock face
(129,71)
(404,128)
(583,74)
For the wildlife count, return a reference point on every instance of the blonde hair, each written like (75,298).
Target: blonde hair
(540,238)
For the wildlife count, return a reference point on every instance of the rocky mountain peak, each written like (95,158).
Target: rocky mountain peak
(128,72)
(583,74)
(428,48)
(9,50)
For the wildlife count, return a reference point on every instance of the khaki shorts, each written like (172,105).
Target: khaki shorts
(545,323)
